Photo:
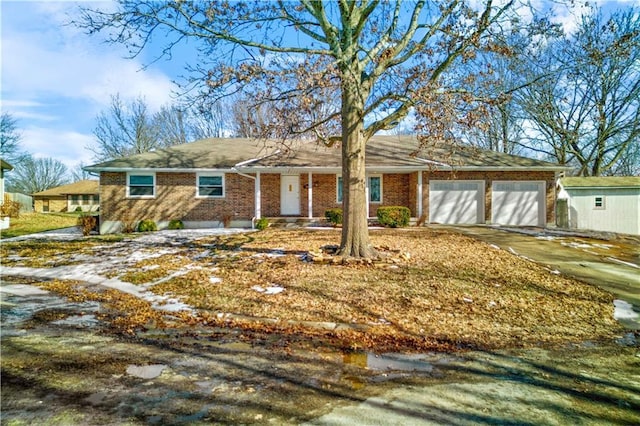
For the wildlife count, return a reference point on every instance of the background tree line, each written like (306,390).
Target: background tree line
(567,98)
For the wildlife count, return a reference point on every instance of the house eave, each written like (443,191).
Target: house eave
(320,169)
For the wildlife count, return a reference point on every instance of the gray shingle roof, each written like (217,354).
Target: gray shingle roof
(383,152)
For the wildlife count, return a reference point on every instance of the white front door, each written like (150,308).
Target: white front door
(290,195)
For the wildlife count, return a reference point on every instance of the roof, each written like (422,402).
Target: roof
(601,182)
(5,166)
(383,153)
(81,187)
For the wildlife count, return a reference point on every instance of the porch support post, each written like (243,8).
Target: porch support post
(310,196)
(258,196)
(419,195)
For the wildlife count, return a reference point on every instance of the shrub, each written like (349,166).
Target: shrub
(78,209)
(175,224)
(262,223)
(147,225)
(10,208)
(393,216)
(226,219)
(334,216)
(86,223)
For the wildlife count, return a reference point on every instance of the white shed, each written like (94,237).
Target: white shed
(610,204)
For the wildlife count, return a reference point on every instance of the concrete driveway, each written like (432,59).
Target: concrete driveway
(613,265)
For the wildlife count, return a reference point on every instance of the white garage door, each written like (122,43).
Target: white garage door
(456,201)
(518,203)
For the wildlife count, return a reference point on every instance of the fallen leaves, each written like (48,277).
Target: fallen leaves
(431,290)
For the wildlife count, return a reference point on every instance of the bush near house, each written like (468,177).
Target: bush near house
(175,224)
(87,223)
(393,216)
(147,225)
(334,216)
(262,224)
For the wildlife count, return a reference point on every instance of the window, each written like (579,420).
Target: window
(374,185)
(375,189)
(85,200)
(599,203)
(75,200)
(140,185)
(211,185)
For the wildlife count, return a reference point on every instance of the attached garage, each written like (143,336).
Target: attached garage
(456,201)
(519,203)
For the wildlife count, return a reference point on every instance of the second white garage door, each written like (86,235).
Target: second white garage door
(456,201)
(518,203)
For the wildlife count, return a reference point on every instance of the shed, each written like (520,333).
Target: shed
(610,204)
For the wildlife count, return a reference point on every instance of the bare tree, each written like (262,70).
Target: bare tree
(124,130)
(212,121)
(587,113)
(38,174)
(10,137)
(377,58)
(78,173)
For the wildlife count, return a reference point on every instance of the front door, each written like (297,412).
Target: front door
(290,195)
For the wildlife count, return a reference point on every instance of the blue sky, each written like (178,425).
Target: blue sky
(55,80)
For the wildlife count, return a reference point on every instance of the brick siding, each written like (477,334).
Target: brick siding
(176,195)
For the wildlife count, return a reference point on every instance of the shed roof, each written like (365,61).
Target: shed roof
(82,187)
(383,152)
(601,182)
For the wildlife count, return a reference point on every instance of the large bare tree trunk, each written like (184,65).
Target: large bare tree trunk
(355,232)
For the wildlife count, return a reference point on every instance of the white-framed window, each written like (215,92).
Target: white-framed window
(599,202)
(374,188)
(374,183)
(141,185)
(210,185)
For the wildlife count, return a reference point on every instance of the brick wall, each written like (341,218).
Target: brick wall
(56,204)
(176,199)
(176,195)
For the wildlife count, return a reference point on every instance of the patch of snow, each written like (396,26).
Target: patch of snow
(146,371)
(22,290)
(622,262)
(494,246)
(215,280)
(272,289)
(624,310)
(78,321)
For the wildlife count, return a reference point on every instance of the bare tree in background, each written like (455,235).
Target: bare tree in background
(126,129)
(38,174)
(10,138)
(586,113)
(377,59)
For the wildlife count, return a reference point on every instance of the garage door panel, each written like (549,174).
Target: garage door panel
(456,202)
(518,203)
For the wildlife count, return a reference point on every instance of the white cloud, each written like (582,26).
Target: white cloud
(68,147)
(68,64)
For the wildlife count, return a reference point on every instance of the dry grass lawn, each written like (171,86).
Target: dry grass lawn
(433,290)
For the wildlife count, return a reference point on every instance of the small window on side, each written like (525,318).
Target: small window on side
(211,185)
(599,203)
(141,186)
